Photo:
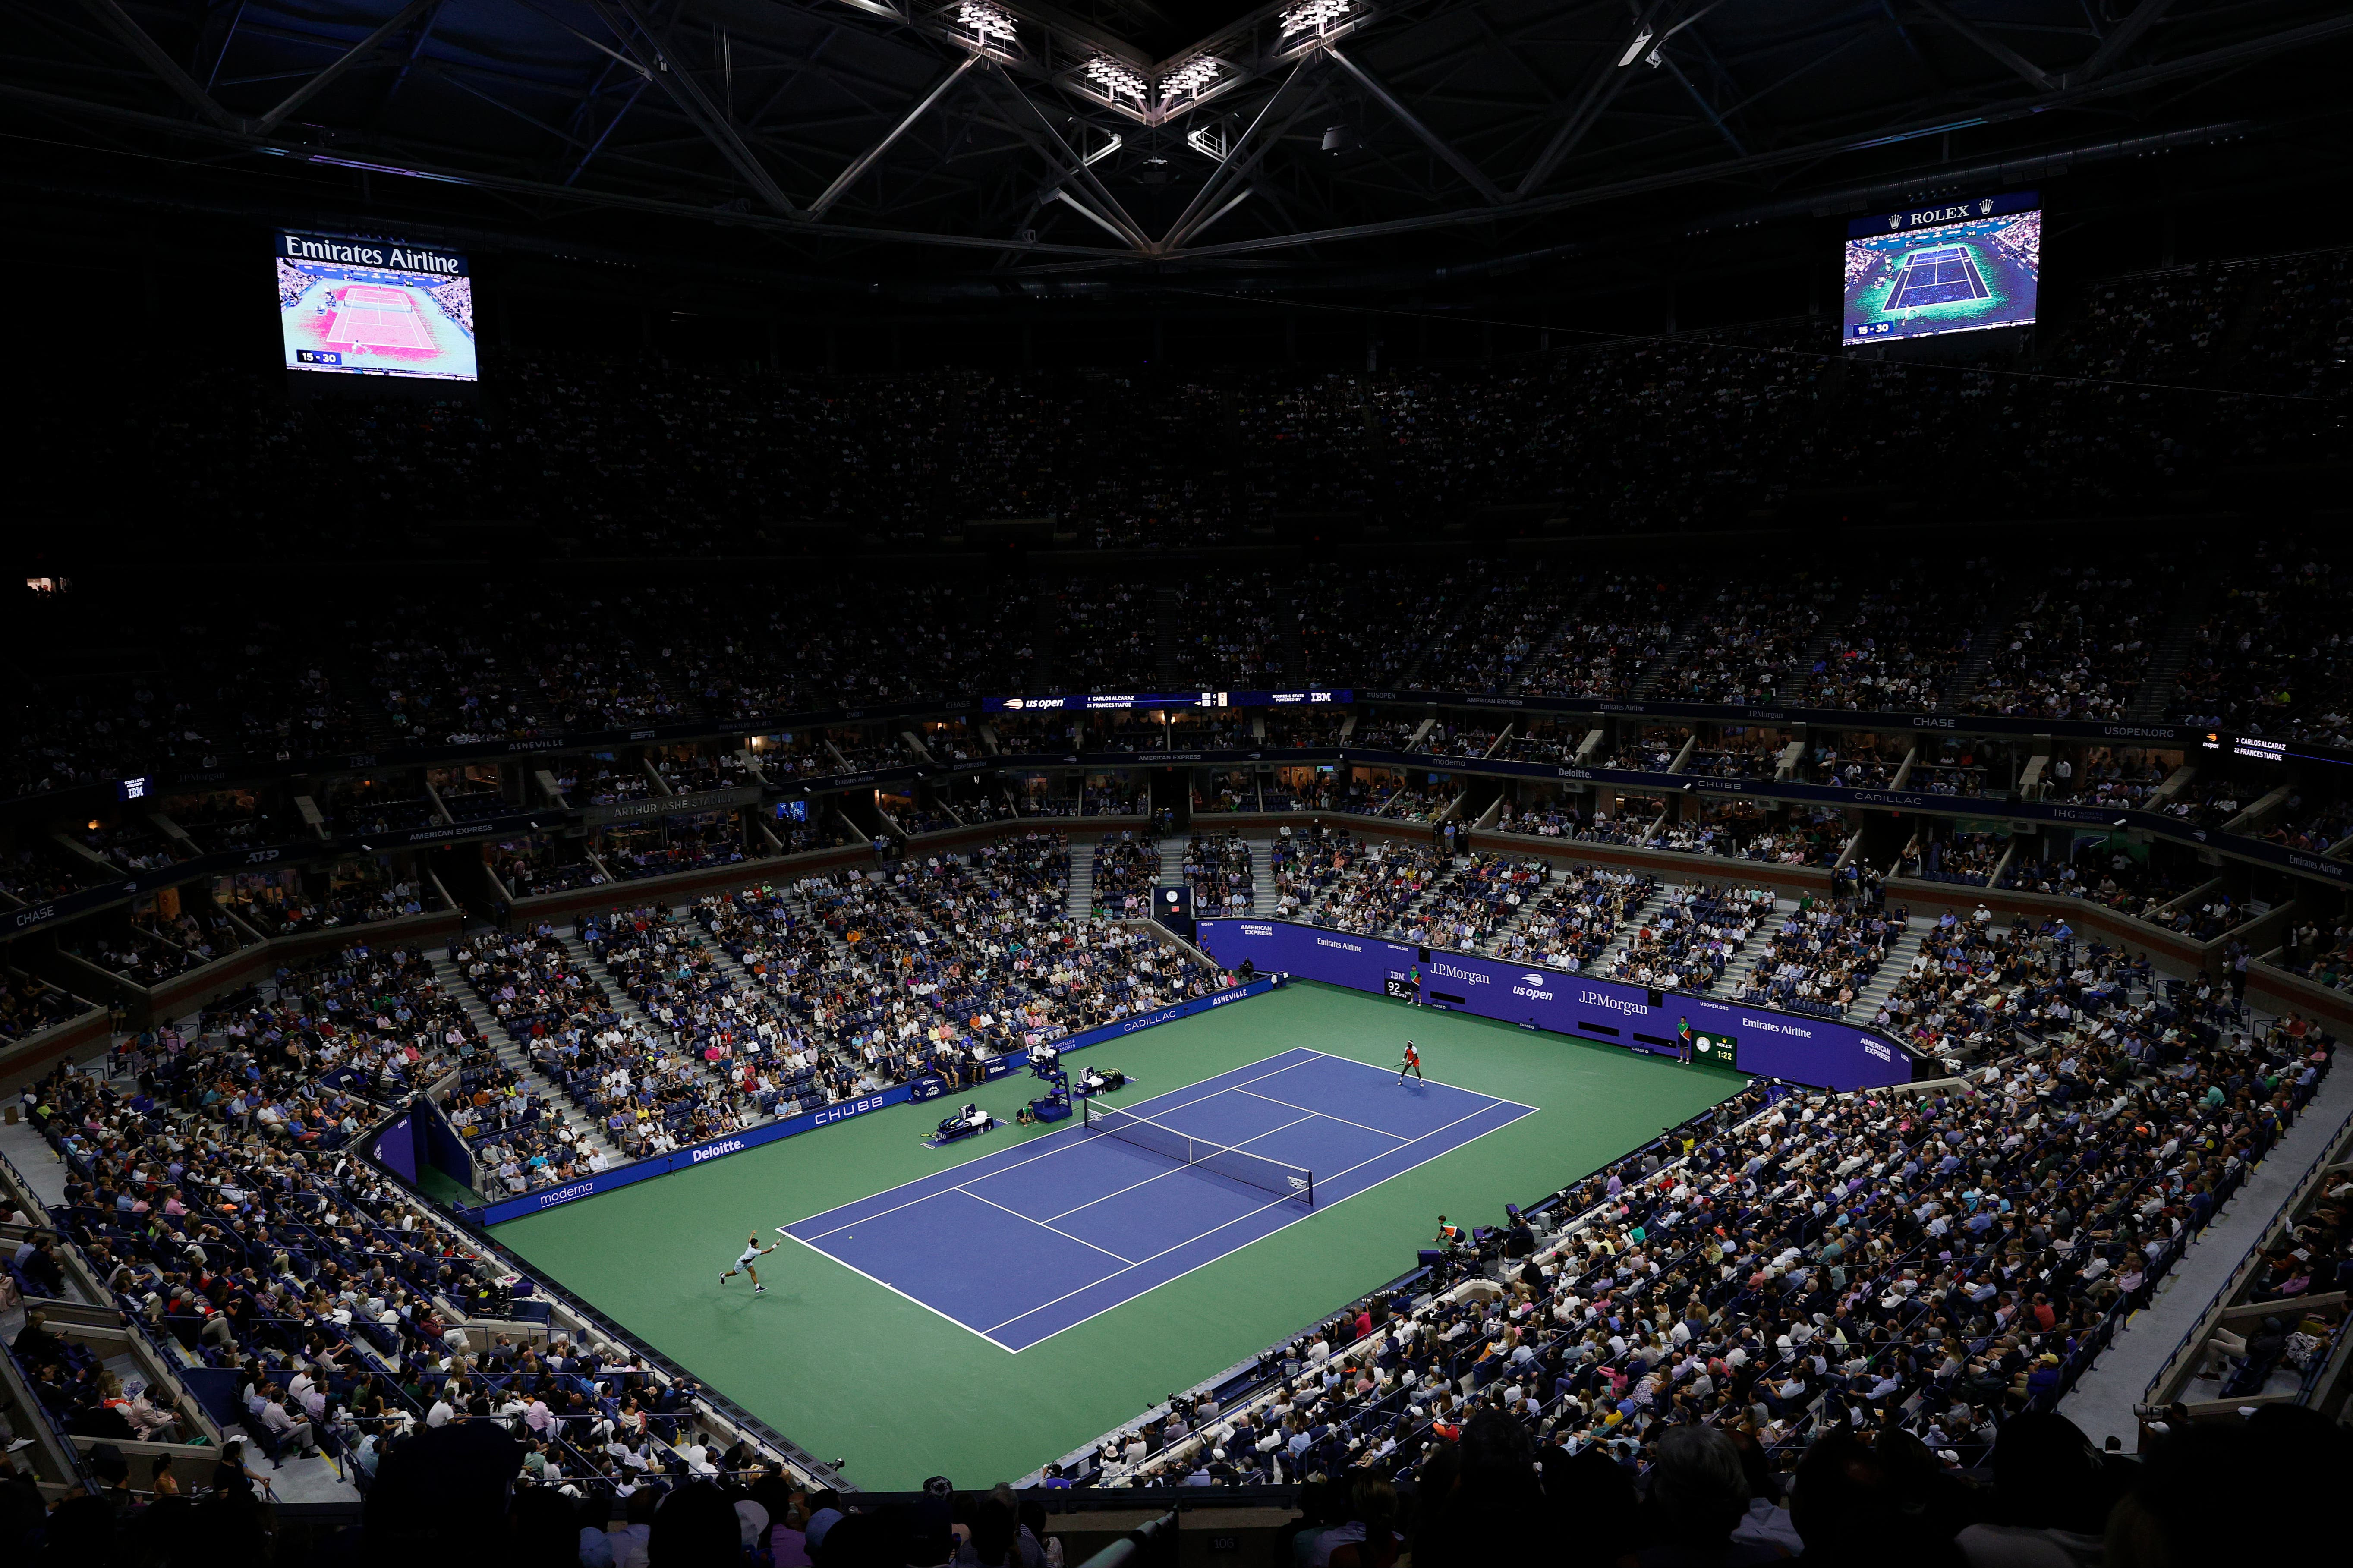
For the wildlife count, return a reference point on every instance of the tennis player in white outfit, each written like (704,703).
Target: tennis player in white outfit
(752,1252)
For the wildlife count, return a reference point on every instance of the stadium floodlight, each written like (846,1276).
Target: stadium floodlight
(1634,50)
(986,23)
(1115,79)
(1317,16)
(1191,79)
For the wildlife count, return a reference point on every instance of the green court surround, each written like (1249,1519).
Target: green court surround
(846,1368)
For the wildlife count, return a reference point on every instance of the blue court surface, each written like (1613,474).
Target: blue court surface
(1937,277)
(1040,1237)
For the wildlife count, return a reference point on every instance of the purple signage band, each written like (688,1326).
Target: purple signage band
(1763,1042)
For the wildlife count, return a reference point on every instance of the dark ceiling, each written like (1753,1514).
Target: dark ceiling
(865,138)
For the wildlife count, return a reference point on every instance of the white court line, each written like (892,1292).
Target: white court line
(1252,1213)
(989,1334)
(1173,1169)
(918,1301)
(1041,1224)
(1441,1083)
(1326,1115)
(1047,1147)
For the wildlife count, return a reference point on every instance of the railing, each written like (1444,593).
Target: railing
(1234,1388)
(2220,1300)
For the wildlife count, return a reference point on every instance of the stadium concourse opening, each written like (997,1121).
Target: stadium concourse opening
(1115,1273)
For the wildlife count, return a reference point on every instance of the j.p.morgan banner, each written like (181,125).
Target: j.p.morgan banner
(1765,1042)
(897,1094)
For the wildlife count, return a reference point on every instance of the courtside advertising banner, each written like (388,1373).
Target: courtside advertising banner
(919,1088)
(1763,1042)
(349,306)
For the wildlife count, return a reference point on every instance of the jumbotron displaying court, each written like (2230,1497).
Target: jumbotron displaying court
(353,307)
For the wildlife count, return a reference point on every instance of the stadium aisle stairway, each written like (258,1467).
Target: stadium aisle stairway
(510,1054)
(1079,898)
(1989,634)
(1621,940)
(1519,916)
(1261,857)
(1898,965)
(1744,953)
(624,1004)
(2152,701)
(741,977)
(2102,1401)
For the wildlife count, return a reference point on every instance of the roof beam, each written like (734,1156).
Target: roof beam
(1609,78)
(416,49)
(2126,35)
(1439,145)
(2225,56)
(1076,167)
(511,185)
(364,50)
(865,161)
(639,40)
(119,22)
(1245,154)
(602,136)
(1990,46)
(1704,106)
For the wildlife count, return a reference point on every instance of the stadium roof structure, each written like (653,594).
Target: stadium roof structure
(1012,136)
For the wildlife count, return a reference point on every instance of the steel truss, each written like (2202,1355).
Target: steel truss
(969,124)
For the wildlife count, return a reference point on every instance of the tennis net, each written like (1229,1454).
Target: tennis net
(1283,1180)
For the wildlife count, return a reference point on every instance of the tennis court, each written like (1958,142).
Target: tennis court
(1938,276)
(904,1387)
(366,317)
(1146,1194)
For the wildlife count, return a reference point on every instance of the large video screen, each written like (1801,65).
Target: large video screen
(368,306)
(1953,269)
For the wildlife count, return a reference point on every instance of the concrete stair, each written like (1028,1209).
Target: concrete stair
(1168,631)
(1991,632)
(2152,700)
(1621,939)
(1079,898)
(1899,962)
(623,1003)
(509,1053)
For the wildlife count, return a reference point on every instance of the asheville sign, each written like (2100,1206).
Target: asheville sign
(920,1089)
(1765,1042)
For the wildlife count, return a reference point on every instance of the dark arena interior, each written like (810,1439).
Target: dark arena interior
(1386,783)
